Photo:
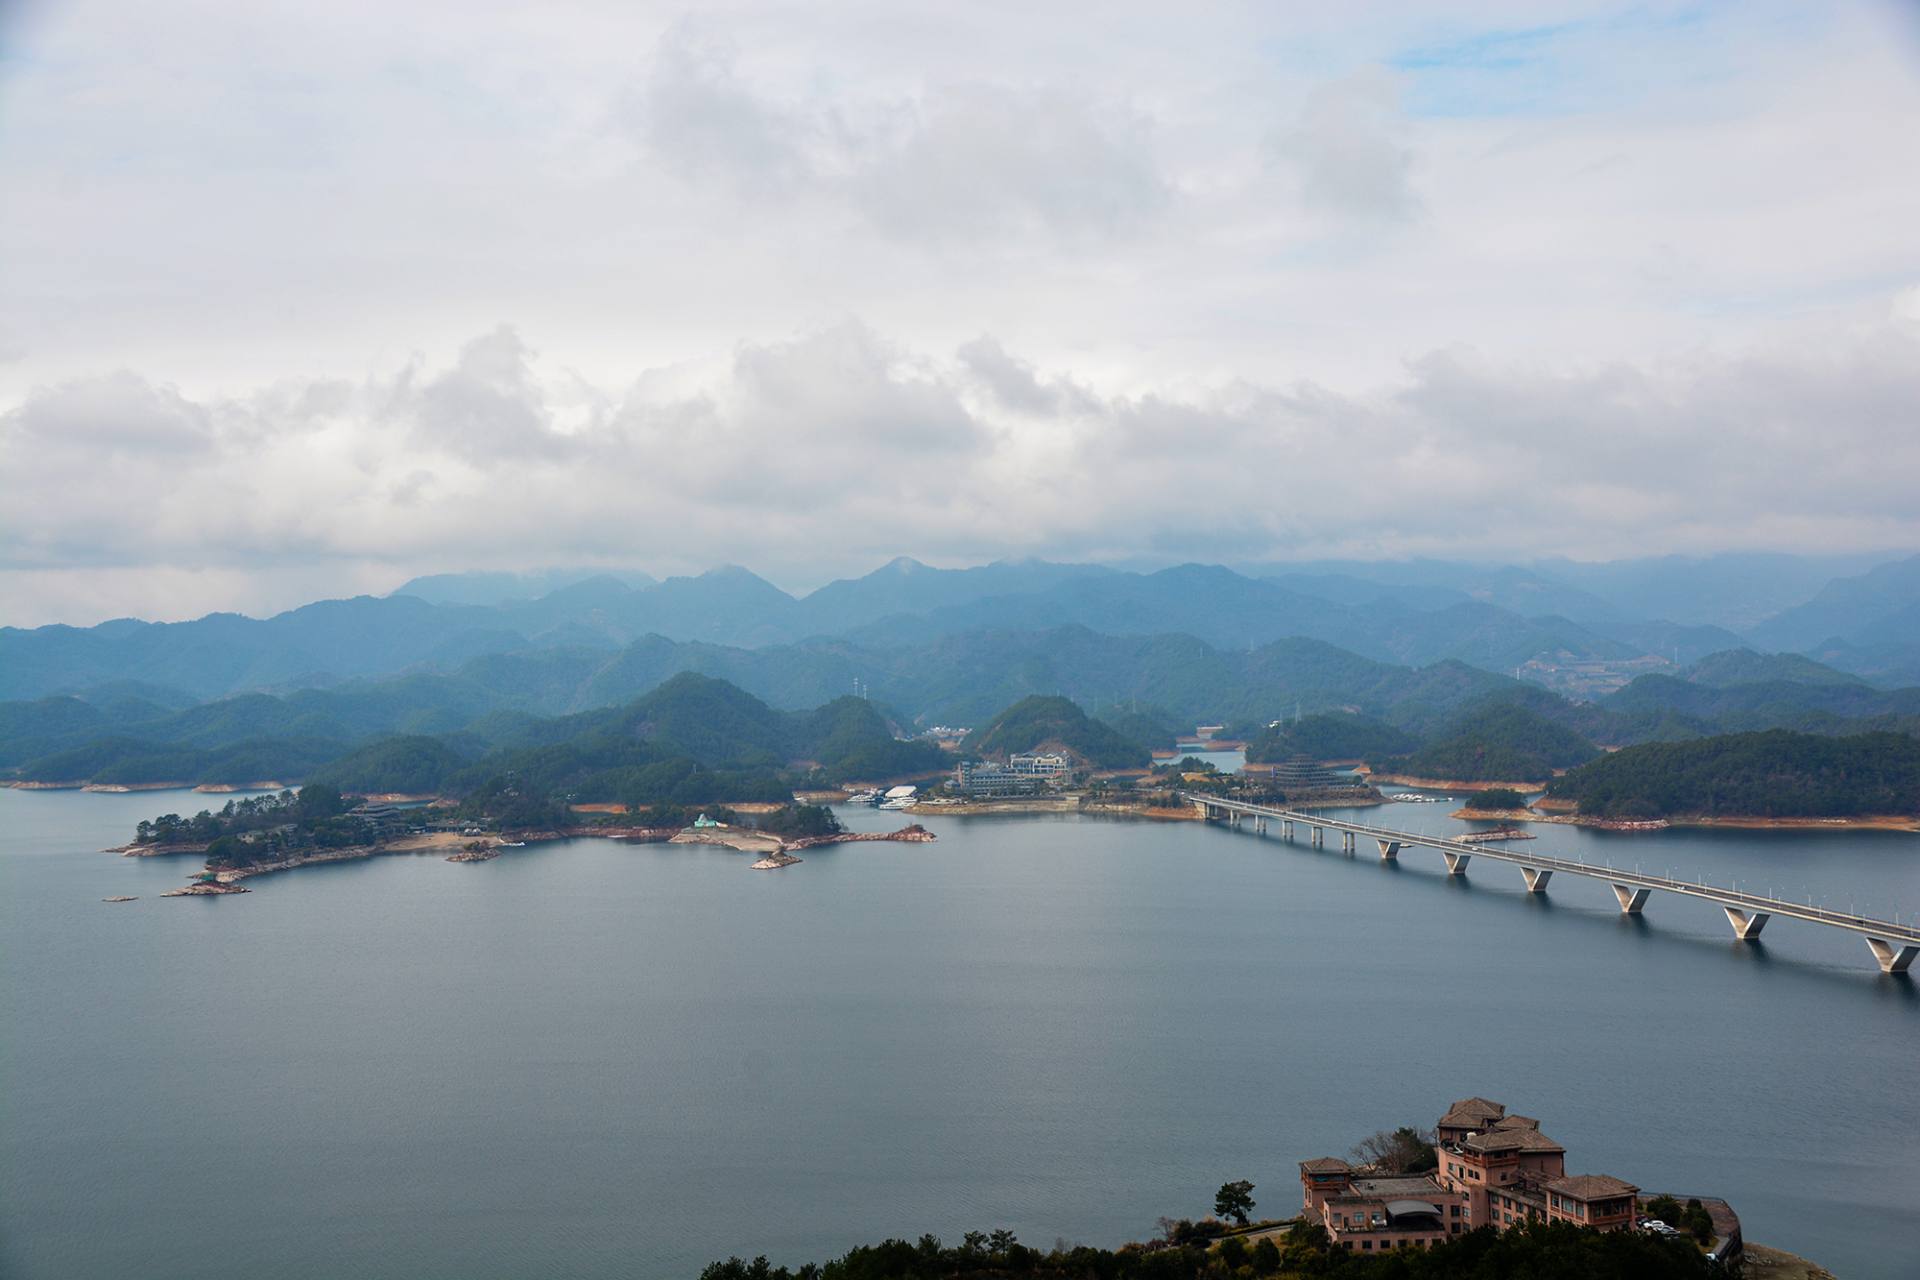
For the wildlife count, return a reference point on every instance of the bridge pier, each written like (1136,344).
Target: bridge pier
(1389,850)
(1631,899)
(1892,958)
(1456,862)
(1319,836)
(1346,842)
(1286,828)
(1746,927)
(1536,879)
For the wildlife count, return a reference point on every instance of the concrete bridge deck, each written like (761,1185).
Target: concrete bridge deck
(1895,946)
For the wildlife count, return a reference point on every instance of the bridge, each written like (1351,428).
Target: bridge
(1895,946)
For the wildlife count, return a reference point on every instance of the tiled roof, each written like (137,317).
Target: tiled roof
(1325,1164)
(1590,1186)
(1410,1188)
(1510,1140)
(1473,1111)
(1516,1122)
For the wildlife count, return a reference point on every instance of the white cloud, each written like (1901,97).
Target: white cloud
(1267,278)
(1348,149)
(828,451)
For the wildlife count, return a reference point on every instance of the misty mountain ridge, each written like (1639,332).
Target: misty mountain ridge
(1413,614)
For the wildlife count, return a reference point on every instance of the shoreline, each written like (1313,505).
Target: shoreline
(1451,784)
(1865,822)
(452,846)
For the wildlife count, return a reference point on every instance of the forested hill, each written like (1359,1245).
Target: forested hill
(1414,615)
(1498,742)
(1775,774)
(691,740)
(1054,723)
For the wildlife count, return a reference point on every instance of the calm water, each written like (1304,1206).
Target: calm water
(587,1059)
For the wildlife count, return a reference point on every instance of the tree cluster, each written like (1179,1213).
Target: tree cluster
(1559,1250)
(1775,774)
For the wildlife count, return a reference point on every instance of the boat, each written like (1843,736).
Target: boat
(864,797)
(513,844)
(898,802)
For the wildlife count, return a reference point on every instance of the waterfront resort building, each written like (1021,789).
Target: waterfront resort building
(985,780)
(385,819)
(1040,764)
(1301,773)
(1494,1169)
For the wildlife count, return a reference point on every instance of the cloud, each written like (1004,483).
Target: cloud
(984,160)
(837,447)
(968,160)
(699,118)
(1271,279)
(1348,149)
(119,414)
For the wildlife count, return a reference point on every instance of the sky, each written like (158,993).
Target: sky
(303,300)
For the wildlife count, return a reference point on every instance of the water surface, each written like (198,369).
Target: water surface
(591,1059)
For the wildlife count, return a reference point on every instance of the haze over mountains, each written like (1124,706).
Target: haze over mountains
(1496,618)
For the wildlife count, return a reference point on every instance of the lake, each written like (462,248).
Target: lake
(594,1059)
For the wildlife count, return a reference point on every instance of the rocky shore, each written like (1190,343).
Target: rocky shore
(205,889)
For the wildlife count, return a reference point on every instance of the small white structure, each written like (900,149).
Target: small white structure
(900,793)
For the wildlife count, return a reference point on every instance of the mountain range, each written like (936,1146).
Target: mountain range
(1499,619)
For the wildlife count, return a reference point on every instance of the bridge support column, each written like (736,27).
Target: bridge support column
(1286,828)
(1319,836)
(1346,842)
(1631,899)
(1746,927)
(1389,850)
(1536,879)
(1456,862)
(1894,958)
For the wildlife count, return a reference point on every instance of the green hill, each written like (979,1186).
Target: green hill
(1497,742)
(1331,735)
(1055,723)
(1744,666)
(1775,774)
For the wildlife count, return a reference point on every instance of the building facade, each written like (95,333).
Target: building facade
(1494,1169)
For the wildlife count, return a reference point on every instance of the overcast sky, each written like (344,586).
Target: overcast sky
(301,300)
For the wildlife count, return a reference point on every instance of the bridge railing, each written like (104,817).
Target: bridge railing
(1905,936)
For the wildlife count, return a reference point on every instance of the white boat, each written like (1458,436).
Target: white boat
(899,802)
(864,797)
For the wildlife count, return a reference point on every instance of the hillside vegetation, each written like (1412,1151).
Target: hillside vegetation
(1331,735)
(1053,722)
(1775,774)
(1502,742)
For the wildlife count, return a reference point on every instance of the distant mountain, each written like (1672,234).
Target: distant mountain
(1824,706)
(595,628)
(316,644)
(905,586)
(1423,584)
(1744,666)
(1847,609)
(1734,591)
(506,588)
